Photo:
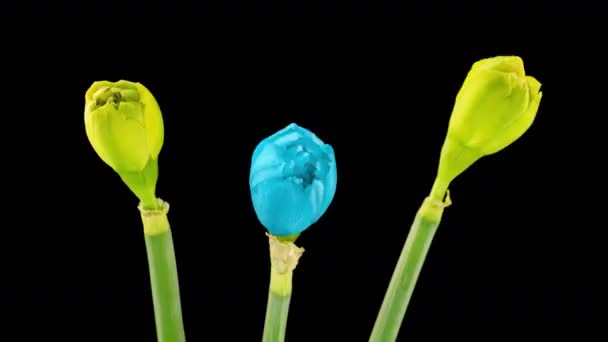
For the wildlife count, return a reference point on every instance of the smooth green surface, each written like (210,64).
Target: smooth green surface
(277,311)
(281,284)
(165,288)
(143,184)
(404,279)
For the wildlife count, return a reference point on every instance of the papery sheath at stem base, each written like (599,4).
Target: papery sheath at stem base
(432,208)
(155,221)
(284,257)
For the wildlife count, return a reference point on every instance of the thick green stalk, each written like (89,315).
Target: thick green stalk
(277,308)
(406,272)
(284,256)
(163,275)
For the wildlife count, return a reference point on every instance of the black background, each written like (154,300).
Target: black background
(521,249)
(513,13)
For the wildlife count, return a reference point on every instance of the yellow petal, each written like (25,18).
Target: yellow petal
(488,102)
(153,121)
(505,64)
(119,141)
(95,87)
(519,125)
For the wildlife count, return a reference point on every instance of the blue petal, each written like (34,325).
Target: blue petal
(316,194)
(331,179)
(257,151)
(284,208)
(288,137)
(292,180)
(266,164)
(295,134)
(268,154)
(271,140)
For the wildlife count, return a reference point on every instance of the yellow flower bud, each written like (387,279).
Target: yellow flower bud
(495,106)
(124,125)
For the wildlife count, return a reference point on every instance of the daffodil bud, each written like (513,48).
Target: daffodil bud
(292,180)
(495,106)
(124,125)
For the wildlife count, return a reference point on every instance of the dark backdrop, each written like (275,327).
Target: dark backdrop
(514,13)
(520,250)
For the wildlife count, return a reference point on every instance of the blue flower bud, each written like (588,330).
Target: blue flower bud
(292,180)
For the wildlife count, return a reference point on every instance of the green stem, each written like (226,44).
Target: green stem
(284,256)
(277,308)
(406,272)
(163,275)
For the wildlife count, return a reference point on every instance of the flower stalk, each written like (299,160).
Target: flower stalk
(292,180)
(124,125)
(284,257)
(495,106)
(163,274)
(407,270)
